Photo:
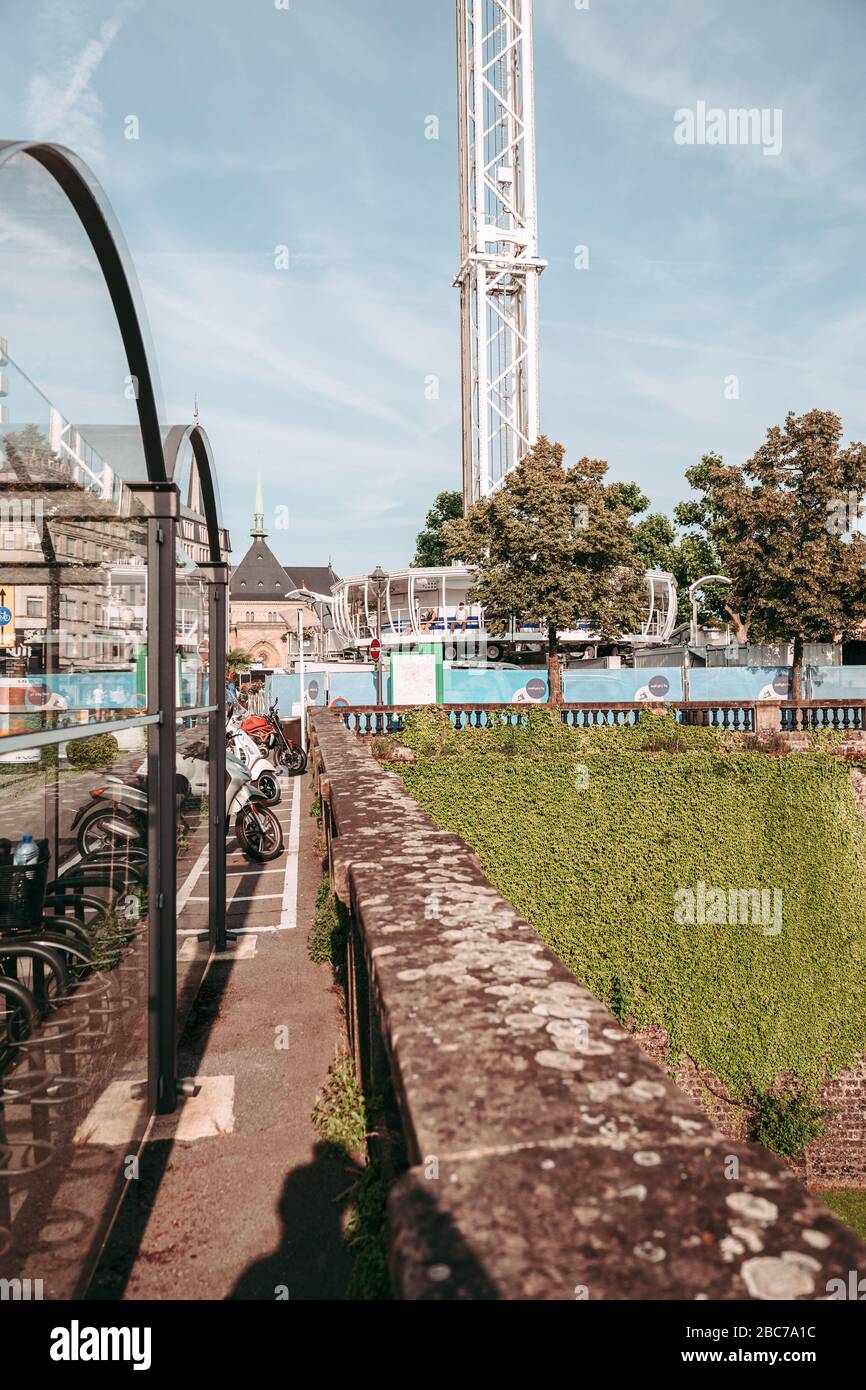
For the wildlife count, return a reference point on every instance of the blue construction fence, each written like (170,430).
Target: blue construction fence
(357,686)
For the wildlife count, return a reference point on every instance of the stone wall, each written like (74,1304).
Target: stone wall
(548,1157)
(838,1159)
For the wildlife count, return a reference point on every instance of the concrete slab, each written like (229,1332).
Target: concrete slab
(242,949)
(117,1116)
(207,1115)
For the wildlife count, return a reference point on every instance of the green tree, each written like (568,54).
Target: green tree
(553,545)
(238,660)
(782,525)
(687,557)
(429,544)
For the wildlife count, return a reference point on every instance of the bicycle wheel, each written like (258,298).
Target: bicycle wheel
(39,968)
(18,1012)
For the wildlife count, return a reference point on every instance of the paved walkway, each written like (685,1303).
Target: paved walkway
(234,1198)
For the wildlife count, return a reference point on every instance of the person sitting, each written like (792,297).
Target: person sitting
(427,617)
(460,617)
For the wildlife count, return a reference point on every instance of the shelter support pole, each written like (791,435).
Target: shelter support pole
(161,502)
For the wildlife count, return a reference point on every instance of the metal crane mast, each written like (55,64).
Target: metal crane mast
(499,267)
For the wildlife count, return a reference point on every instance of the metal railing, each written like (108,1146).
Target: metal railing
(390,719)
(738,716)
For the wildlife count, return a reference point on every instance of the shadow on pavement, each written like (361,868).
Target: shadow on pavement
(311,1261)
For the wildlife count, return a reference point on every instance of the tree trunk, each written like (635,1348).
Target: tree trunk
(797,671)
(741,626)
(554,668)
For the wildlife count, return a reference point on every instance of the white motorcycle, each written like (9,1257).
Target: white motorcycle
(265,777)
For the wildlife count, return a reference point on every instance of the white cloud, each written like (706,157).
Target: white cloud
(61,102)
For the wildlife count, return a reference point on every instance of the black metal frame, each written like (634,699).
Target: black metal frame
(59,163)
(218,588)
(161,501)
(216,573)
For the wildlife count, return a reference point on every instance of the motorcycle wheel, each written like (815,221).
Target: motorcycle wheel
(268,784)
(260,834)
(95,836)
(294,760)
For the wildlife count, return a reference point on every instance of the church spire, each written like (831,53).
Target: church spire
(258,531)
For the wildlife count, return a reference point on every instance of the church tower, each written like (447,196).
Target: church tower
(257,530)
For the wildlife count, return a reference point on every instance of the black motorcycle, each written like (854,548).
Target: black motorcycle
(267,730)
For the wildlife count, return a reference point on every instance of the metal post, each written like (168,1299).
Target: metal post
(217,576)
(303,671)
(161,501)
(379,638)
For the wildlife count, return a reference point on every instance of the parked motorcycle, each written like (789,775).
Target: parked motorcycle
(116,816)
(259,832)
(267,730)
(264,774)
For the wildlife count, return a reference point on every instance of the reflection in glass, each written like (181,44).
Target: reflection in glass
(192,632)
(58,317)
(73,578)
(73,999)
(192,858)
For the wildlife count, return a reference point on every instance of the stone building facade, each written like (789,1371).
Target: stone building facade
(262,620)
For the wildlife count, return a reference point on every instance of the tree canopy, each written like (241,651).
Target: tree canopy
(782,528)
(429,545)
(553,545)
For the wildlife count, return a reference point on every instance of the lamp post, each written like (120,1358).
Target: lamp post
(303,672)
(694,590)
(378,579)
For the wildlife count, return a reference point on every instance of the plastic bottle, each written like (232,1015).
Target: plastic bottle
(26,852)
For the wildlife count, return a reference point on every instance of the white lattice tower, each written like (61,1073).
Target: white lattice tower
(499,268)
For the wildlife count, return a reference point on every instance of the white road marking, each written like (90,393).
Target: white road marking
(232,931)
(185,894)
(245,873)
(240,898)
(289,914)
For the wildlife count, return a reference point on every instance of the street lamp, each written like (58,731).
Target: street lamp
(694,590)
(378,579)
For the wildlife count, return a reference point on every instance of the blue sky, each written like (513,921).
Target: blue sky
(261,127)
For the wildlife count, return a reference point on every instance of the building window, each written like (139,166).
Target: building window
(35,607)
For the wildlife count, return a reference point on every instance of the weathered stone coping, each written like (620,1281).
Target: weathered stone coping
(549,1157)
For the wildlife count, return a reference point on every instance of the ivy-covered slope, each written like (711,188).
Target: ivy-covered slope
(592,846)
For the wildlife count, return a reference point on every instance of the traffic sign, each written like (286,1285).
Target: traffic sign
(7,616)
(375,649)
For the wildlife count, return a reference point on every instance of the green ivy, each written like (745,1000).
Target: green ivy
(590,835)
(785,1120)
